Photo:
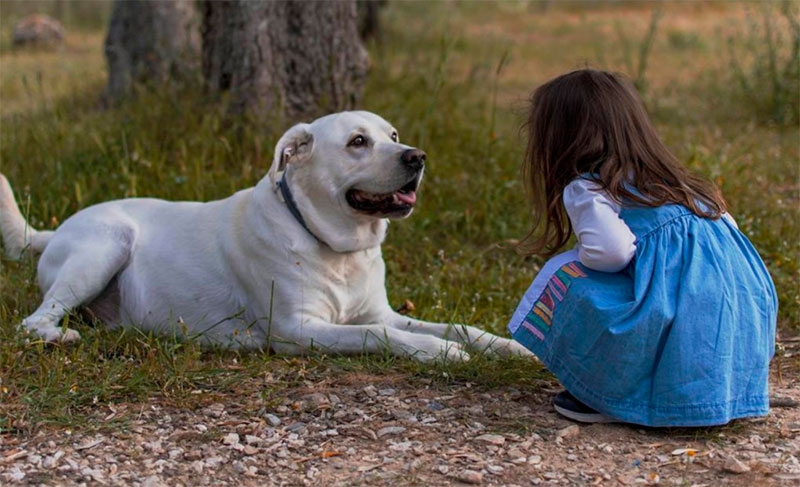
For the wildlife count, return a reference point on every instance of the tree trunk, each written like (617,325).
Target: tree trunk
(369,26)
(294,58)
(150,41)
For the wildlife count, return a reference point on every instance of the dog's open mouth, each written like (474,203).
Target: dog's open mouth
(396,204)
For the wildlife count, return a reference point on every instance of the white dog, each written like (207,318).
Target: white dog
(291,264)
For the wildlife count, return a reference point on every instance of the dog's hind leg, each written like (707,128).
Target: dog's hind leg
(73,272)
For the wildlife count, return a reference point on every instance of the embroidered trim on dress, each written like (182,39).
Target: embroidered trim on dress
(540,317)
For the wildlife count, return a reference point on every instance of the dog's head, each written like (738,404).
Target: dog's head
(351,162)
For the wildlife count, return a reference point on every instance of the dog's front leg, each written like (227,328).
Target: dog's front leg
(466,335)
(304,334)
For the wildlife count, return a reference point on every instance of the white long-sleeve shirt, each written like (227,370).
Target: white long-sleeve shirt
(605,243)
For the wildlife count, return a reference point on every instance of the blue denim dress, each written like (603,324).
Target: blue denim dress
(682,336)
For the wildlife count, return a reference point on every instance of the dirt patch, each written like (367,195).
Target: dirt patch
(363,429)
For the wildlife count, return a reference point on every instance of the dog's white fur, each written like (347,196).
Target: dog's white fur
(243,271)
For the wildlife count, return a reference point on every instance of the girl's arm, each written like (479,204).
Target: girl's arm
(605,243)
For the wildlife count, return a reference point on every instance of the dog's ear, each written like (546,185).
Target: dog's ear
(293,147)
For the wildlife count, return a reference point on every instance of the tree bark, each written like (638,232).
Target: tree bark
(151,41)
(294,58)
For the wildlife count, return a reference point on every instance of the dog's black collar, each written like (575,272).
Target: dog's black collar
(292,206)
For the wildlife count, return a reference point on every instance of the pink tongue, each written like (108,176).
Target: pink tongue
(409,198)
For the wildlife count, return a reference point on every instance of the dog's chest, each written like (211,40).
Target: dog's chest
(349,283)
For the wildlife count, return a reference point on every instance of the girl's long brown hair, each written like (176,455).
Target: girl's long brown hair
(590,121)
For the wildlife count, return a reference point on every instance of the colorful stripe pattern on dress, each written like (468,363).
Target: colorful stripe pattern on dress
(540,317)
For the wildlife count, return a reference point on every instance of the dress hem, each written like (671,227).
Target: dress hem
(692,415)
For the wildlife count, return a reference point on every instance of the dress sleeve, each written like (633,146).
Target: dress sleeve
(727,216)
(605,243)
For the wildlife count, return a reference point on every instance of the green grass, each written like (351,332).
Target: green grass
(453,79)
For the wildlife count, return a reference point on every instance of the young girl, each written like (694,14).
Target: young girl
(663,314)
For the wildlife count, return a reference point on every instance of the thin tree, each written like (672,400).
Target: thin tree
(290,57)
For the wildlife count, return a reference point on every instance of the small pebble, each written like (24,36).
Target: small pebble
(469,477)
(493,439)
(390,430)
(272,419)
(494,469)
(231,439)
(734,465)
(435,406)
(295,427)
(570,431)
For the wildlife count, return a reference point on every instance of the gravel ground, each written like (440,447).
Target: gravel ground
(361,429)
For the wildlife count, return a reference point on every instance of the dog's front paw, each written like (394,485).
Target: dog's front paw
(50,333)
(513,348)
(504,347)
(453,352)
(68,335)
(431,349)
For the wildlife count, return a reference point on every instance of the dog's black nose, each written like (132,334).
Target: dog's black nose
(413,158)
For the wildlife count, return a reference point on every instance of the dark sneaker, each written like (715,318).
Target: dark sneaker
(568,406)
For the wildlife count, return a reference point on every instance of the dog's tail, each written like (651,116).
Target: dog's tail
(18,235)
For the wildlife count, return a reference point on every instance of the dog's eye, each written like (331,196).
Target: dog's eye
(394,136)
(357,141)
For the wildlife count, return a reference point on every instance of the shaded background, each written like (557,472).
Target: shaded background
(720,80)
